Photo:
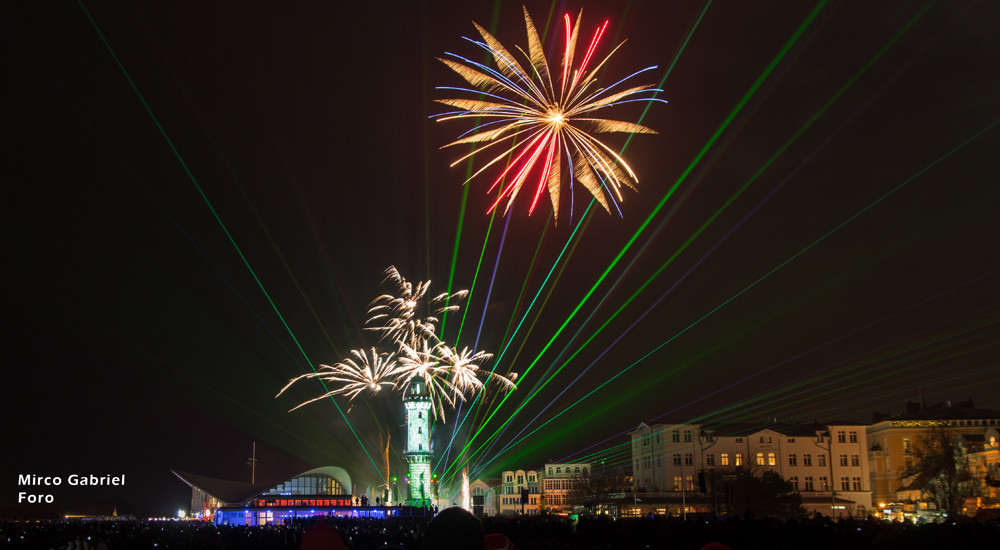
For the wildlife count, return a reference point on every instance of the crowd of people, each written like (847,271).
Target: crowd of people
(456,529)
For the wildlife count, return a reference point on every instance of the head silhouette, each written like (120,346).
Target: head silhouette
(454,529)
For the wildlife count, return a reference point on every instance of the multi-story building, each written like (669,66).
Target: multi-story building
(824,463)
(515,484)
(485,494)
(895,440)
(559,483)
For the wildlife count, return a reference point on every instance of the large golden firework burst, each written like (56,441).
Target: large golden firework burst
(545,121)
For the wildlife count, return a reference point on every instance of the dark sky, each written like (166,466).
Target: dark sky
(833,230)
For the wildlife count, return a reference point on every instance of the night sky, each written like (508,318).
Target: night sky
(200,202)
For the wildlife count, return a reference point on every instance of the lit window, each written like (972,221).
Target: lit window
(771,459)
(725,459)
(760,458)
(907,445)
(739,459)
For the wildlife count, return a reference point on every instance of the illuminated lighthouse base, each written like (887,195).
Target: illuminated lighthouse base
(418,453)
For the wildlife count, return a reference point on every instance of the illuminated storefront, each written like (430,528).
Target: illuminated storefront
(318,492)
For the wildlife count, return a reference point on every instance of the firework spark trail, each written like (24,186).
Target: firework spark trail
(753,178)
(215,214)
(694,162)
(788,143)
(418,353)
(518,106)
(661,84)
(790,259)
(574,234)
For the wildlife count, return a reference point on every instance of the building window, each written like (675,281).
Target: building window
(725,459)
(907,445)
(710,459)
(809,483)
(760,459)
(807,460)
(687,436)
(855,460)
(841,437)
(689,481)
(677,483)
(688,459)
(677,459)
(856,483)
(793,460)
(843,460)
(794,480)
(845,484)
(761,439)
(824,484)
(822,460)
(854,437)
(739,459)
(675,436)
(772,460)
(739,440)
(791,440)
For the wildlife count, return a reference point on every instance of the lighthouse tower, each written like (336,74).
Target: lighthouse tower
(417,402)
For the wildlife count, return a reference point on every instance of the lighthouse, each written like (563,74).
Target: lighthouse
(417,403)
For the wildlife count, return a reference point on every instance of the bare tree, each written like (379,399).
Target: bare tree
(596,490)
(941,471)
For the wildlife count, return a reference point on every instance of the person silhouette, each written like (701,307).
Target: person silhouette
(454,529)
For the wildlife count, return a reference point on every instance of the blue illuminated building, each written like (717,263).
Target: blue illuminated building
(318,492)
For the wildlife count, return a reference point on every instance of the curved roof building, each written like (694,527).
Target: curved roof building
(324,491)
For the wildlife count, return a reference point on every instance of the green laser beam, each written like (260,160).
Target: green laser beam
(211,208)
(745,99)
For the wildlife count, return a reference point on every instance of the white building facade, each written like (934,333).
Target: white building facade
(826,464)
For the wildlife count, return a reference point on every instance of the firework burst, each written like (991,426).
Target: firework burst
(544,121)
(352,376)
(418,353)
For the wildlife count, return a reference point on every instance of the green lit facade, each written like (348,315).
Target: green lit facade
(417,403)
